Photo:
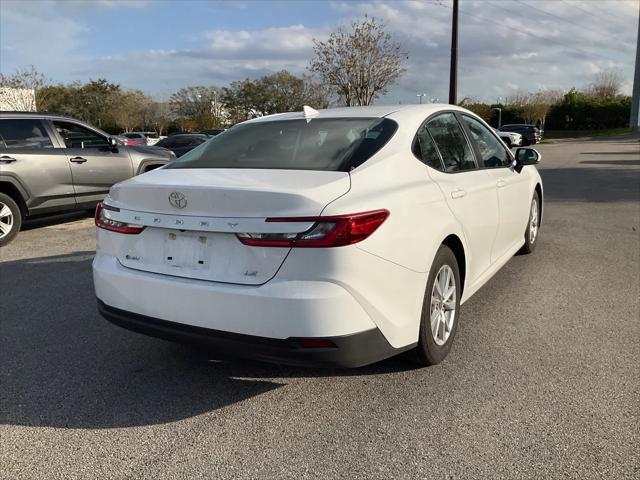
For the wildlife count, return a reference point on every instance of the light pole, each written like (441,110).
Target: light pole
(453,69)
(420,96)
(499,116)
(435,100)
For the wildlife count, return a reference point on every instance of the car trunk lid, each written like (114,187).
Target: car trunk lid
(192,217)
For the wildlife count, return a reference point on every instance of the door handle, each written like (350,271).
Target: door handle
(6,159)
(78,160)
(458,193)
(501,183)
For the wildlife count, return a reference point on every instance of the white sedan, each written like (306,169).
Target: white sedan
(511,139)
(334,237)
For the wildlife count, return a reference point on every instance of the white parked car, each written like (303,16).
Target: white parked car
(511,139)
(338,237)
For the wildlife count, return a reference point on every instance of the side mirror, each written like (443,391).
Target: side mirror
(113,142)
(526,156)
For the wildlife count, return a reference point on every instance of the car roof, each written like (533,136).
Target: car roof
(9,113)
(375,111)
(198,135)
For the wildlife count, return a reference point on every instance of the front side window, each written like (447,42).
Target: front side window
(452,144)
(77,136)
(425,149)
(492,151)
(330,144)
(23,133)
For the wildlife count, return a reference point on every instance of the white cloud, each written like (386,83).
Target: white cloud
(502,46)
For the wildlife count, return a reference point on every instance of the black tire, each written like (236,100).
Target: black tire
(529,245)
(16,223)
(525,142)
(428,352)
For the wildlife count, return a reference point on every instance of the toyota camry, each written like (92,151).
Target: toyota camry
(336,237)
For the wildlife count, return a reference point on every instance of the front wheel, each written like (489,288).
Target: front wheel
(10,219)
(533,226)
(440,309)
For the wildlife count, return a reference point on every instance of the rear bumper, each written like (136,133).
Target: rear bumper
(350,351)
(264,322)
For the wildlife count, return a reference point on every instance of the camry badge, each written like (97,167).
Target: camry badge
(178,200)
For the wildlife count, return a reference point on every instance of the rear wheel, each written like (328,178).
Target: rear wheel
(440,309)
(533,226)
(10,219)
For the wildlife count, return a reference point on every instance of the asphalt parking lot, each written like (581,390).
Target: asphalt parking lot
(542,381)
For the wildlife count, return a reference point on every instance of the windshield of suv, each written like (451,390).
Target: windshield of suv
(333,144)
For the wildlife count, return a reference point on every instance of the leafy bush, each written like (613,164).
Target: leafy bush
(579,111)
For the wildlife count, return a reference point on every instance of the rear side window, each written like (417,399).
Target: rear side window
(452,144)
(23,133)
(329,144)
(425,149)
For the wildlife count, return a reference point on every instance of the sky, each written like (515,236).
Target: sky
(160,46)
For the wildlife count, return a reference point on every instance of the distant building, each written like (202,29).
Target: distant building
(17,99)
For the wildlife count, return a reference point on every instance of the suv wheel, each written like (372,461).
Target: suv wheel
(10,219)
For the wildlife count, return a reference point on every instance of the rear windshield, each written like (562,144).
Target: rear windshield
(331,144)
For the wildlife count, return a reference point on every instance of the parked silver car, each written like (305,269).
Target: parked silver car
(50,163)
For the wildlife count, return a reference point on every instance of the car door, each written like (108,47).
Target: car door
(469,191)
(28,154)
(512,187)
(95,165)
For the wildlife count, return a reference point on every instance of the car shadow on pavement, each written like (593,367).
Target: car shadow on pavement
(56,219)
(623,163)
(64,366)
(592,184)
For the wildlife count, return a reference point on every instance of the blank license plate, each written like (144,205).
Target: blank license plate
(187,250)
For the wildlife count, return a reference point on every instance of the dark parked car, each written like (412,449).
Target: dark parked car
(212,132)
(181,143)
(530,133)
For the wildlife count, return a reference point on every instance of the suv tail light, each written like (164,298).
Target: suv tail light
(334,231)
(103,221)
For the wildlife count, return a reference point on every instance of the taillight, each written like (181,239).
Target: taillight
(104,221)
(334,231)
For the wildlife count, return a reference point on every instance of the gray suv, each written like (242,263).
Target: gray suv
(50,163)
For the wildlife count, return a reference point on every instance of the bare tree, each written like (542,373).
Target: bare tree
(605,84)
(158,116)
(127,108)
(18,91)
(359,64)
(201,104)
(534,107)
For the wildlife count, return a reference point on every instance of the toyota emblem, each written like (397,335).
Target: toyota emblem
(178,200)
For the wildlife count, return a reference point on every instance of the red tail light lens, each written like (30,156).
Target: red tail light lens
(335,231)
(103,221)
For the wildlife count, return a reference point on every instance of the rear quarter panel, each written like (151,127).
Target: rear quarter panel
(389,274)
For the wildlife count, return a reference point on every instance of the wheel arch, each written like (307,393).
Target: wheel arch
(457,247)
(8,188)
(148,165)
(538,189)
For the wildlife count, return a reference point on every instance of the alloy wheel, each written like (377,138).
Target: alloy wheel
(6,220)
(533,221)
(443,305)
